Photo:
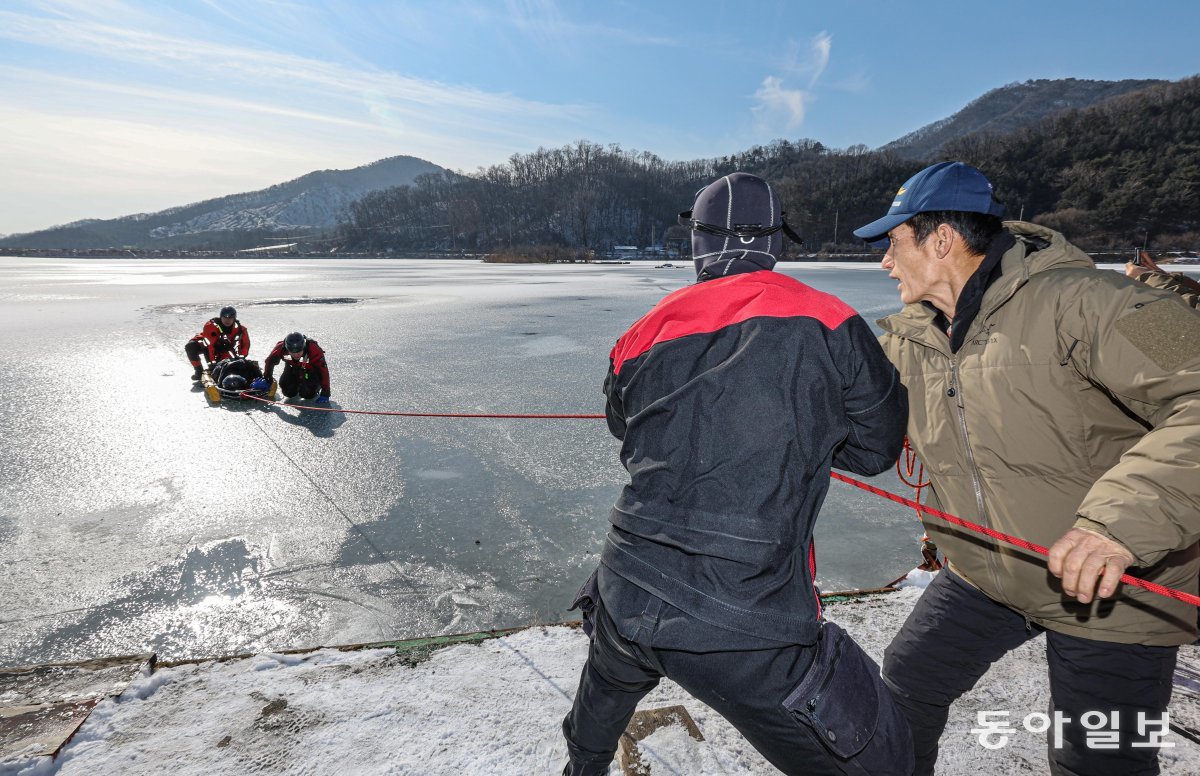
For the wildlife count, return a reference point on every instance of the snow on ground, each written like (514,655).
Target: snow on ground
(491,708)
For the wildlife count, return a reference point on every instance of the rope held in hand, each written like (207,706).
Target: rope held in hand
(1153,587)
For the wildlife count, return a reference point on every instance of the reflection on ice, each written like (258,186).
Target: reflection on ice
(135,516)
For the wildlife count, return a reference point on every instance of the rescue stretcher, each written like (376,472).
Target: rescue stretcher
(215,392)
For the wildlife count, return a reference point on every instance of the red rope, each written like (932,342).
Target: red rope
(904,473)
(1153,587)
(905,465)
(422,414)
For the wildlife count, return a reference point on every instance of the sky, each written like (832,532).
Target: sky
(114,107)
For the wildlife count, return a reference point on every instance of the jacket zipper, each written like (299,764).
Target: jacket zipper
(955,393)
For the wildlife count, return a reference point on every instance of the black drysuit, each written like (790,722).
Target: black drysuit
(733,398)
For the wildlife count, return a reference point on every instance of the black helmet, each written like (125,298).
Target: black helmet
(234,383)
(295,342)
(228,312)
(735,218)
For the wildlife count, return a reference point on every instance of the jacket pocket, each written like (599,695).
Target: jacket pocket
(585,602)
(849,709)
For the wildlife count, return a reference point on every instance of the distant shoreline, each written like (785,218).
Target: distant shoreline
(1117,258)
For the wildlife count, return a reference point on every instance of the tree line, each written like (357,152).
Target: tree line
(1124,172)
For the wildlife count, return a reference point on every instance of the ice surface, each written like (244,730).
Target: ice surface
(135,517)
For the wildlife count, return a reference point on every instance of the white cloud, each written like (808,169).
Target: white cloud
(542,20)
(822,46)
(131,118)
(778,105)
(262,68)
(856,83)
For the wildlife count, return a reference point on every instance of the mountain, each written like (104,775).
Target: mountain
(312,202)
(1009,108)
(1136,140)
(1121,173)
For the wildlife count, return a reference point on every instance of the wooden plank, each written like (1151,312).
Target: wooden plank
(643,723)
(41,707)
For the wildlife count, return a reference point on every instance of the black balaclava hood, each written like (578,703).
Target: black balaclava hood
(738,199)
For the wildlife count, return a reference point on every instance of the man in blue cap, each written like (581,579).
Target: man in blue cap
(732,399)
(1061,404)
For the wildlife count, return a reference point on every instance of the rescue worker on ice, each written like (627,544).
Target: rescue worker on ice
(222,337)
(305,372)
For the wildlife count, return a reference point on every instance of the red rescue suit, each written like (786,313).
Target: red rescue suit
(219,341)
(311,359)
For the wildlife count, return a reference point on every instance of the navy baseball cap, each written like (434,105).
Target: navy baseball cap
(944,186)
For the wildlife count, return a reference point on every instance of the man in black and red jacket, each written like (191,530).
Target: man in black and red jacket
(732,399)
(304,369)
(221,338)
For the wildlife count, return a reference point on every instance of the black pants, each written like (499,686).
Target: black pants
(955,633)
(194,350)
(748,688)
(294,381)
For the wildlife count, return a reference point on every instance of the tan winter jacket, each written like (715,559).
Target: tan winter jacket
(1074,400)
(1188,289)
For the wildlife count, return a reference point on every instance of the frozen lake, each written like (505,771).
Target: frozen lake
(136,517)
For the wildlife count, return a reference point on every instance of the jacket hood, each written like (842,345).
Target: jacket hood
(1048,249)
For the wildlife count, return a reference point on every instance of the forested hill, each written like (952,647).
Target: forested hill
(1113,175)
(1110,176)
(587,195)
(307,204)
(1012,107)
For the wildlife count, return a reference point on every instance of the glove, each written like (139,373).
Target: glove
(260,384)
(322,399)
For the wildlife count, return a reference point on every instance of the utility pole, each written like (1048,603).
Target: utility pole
(835,225)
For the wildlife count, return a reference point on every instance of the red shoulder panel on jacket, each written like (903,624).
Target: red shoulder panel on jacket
(714,304)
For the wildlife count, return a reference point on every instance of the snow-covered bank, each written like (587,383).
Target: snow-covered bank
(492,708)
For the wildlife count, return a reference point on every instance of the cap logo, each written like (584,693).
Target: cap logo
(901,191)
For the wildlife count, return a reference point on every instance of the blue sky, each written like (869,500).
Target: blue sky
(112,107)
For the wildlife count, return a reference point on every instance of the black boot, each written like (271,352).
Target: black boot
(196,374)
